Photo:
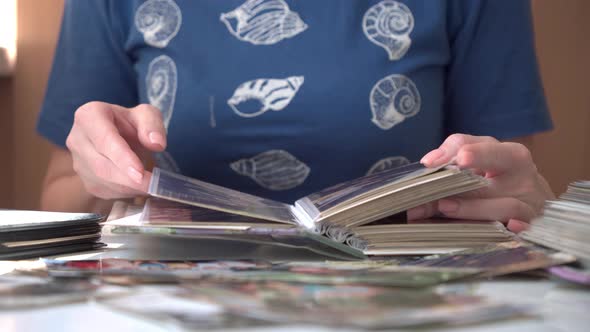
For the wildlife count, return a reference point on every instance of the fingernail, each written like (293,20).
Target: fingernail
(135,175)
(448,205)
(517,226)
(157,138)
(416,213)
(432,156)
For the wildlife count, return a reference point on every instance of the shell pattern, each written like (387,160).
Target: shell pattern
(273,169)
(388,163)
(272,94)
(388,24)
(158,21)
(263,22)
(165,161)
(161,81)
(393,99)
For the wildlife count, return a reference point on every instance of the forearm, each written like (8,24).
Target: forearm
(67,193)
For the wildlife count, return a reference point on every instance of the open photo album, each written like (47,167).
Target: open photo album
(29,234)
(358,217)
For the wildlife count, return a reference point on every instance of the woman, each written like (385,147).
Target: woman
(281,98)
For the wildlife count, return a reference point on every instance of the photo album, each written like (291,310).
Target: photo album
(355,218)
(29,234)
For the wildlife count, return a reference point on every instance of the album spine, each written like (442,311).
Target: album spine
(306,214)
(303,218)
(154,181)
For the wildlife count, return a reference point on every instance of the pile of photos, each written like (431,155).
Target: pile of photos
(372,269)
(565,225)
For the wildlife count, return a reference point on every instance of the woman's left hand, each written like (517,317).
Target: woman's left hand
(516,193)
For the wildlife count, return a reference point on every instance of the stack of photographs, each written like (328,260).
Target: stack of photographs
(27,284)
(369,294)
(376,273)
(497,259)
(30,234)
(273,303)
(36,292)
(578,191)
(565,223)
(431,237)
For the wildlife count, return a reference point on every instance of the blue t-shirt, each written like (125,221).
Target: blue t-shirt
(280,98)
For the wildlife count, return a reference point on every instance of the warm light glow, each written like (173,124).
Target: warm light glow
(7,35)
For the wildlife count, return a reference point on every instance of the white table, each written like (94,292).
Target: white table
(560,307)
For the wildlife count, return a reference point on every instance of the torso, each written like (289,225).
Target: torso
(292,96)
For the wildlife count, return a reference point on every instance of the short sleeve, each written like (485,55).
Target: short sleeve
(493,83)
(90,64)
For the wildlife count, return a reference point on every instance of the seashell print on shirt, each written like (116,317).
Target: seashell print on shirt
(273,169)
(161,81)
(387,164)
(158,21)
(388,24)
(393,99)
(256,97)
(263,22)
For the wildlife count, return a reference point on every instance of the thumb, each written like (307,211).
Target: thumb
(148,122)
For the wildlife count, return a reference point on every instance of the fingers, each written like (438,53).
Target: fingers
(501,209)
(94,129)
(150,126)
(105,141)
(482,154)
(114,190)
(450,148)
(496,158)
(98,168)
(422,212)
(101,177)
(111,190)
(515,190)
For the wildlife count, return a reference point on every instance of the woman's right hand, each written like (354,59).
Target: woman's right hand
(107,142)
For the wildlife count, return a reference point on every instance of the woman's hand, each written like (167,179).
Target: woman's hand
(515,195)
(107,142)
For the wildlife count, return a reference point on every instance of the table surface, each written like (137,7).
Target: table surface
(559,306)
(560,309)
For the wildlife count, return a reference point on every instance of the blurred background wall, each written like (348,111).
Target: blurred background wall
(563,49)
(38,26)
(6,109)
